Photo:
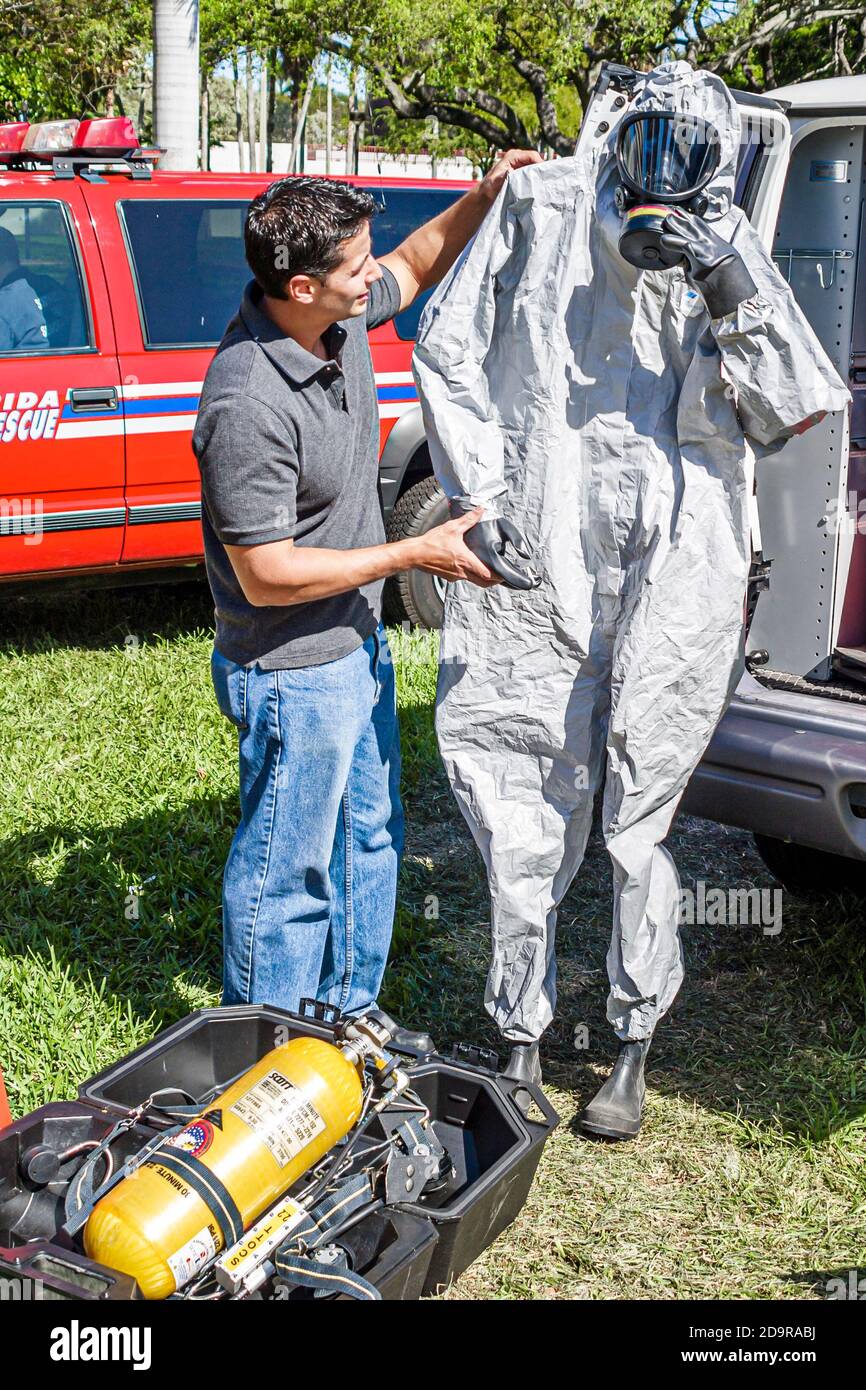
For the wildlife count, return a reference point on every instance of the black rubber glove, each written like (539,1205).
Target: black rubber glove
(489,540)
(714,266)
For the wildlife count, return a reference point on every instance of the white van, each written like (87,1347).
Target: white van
(788,760)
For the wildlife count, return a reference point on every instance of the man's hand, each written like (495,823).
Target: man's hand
(512,159)
(496,543)
(443,551)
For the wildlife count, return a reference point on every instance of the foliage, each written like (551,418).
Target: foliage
(65,58)
(476,75)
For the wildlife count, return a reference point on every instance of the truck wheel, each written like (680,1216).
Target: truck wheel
(414,595)
(811,872)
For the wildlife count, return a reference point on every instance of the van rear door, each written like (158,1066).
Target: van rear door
(804,497)
(61,425)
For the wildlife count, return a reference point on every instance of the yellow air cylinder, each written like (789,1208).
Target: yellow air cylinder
(256,1139)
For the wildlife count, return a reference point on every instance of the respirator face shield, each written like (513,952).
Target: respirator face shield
(664,160)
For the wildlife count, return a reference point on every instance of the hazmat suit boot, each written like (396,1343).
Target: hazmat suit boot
(524,1064)
(615,1112)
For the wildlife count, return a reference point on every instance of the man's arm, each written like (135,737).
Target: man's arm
(424,257)
(281,573)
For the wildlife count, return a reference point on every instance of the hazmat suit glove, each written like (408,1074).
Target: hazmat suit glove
(713,266)
(491,541)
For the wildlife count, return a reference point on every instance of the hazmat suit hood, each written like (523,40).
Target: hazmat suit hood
(677,87)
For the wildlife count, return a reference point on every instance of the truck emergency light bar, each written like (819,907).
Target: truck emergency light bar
(75,146)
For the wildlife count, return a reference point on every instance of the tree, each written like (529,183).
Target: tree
(68,57)
(176,81)
(522,75)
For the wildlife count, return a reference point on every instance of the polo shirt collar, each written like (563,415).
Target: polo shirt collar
(286,353)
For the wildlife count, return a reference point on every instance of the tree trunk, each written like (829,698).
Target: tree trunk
(295,164)
(142,95)
(251,113)
(239,122)
(205,122)
(263,115)
(175,81)
(350,127)
(109,101)
(329,117)
(272,98)
(359,124)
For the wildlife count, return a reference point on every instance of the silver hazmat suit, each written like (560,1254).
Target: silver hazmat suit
(602,410)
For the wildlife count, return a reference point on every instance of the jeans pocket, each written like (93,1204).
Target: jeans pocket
(382,659)
(230,686)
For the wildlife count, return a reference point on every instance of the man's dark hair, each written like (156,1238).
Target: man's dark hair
(296,227)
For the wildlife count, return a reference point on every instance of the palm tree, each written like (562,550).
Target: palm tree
(176,82)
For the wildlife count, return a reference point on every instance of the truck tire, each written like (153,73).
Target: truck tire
(811,872)
(413,594)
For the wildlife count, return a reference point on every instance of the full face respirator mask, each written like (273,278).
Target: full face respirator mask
(664,159)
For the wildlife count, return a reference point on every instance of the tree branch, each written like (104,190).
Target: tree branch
(536,79)
(426,101)
(781,20)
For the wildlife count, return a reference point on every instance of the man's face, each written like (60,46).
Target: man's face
(344,292)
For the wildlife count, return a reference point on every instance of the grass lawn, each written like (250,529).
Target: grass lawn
(118,797)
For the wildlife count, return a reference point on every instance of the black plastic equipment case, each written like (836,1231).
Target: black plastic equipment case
(34,1262)
(494,1146)
(392,1249)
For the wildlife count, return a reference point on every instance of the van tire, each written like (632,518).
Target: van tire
(413,594)
(811,872)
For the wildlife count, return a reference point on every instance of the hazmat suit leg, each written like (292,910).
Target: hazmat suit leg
(531,763)
(674,670)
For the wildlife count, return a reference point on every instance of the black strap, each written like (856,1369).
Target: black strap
(207,1186)
(296,1264)
(306,1272)
(82,1196)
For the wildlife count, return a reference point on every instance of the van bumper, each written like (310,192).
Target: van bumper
(788,765)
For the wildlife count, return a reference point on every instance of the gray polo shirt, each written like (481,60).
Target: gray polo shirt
(288,446)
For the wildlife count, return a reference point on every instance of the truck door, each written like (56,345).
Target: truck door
(61,427)
(180,272)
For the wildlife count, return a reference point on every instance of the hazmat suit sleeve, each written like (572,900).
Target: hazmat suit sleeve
(783,379)
(453,342)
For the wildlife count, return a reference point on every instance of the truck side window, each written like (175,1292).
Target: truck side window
(188,260)
(403,210)
(41,298)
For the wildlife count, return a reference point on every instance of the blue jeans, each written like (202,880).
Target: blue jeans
(311,878)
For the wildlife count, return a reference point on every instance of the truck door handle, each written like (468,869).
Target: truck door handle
(93,398)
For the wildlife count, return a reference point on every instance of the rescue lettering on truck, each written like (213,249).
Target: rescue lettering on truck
(28,415)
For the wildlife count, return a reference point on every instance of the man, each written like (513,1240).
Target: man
(287,444)
(22,321)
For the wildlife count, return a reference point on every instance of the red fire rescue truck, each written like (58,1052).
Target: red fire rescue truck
(116,283)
